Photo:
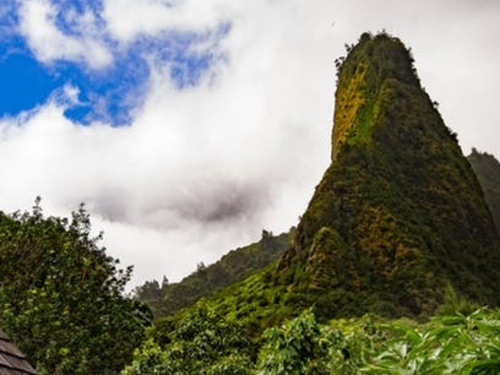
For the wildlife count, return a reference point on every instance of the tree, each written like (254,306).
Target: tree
(150,290)
(202,273)
(164,282)
(61,296)
(298,347)
(267,240)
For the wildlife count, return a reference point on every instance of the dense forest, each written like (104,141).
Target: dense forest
(394,267)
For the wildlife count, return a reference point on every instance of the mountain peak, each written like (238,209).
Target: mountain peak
(362,77)
(399,213)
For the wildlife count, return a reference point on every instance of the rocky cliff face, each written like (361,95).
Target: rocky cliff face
(399,213)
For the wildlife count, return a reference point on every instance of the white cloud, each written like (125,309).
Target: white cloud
(128,19)
(49,43)
(205,169)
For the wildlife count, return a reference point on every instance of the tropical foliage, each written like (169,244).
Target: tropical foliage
(451,344)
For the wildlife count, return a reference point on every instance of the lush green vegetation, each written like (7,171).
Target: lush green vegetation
(487,170)
(61,296)
(233,267)
(205,343)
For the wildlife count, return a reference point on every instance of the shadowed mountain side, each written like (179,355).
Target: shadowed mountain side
(487,170)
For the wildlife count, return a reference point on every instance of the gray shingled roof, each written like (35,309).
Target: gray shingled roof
(12,360)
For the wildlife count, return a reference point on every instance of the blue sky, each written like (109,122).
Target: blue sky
(107,94)
(188,126)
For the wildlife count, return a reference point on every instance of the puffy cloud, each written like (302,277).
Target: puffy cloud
(38,25)
(129,19)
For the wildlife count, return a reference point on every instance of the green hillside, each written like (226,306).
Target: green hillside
(233,267)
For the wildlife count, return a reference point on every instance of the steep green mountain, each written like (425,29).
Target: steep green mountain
(233,267)
(487,170)
(399,214)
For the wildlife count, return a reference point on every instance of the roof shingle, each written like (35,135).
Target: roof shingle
(12,360)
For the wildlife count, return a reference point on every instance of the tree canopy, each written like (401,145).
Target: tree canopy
(62,297)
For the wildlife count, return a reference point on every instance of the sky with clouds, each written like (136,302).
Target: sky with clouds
(188,126)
